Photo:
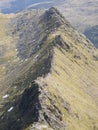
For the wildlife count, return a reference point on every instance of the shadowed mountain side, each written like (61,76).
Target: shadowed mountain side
(24,112)
(92,34)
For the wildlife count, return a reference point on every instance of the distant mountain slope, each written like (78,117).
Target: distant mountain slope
(81,14)
(48,74)
(92,34)
(19,5)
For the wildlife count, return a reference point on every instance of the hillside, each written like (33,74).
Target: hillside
(48,74)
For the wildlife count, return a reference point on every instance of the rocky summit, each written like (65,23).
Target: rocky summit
(48,73)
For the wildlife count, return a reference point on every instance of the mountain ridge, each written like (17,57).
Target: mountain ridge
(53,82)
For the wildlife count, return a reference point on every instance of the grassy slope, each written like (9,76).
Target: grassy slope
(76,82)
(7,46)
(8,53)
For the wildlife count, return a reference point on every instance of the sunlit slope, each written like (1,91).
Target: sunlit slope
(76,83)
(7,46)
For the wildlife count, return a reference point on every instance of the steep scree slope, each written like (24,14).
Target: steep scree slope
(48,74)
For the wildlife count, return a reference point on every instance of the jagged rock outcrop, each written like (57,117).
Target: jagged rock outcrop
(49,80)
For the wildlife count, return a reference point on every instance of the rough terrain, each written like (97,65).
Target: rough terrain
(48,74)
